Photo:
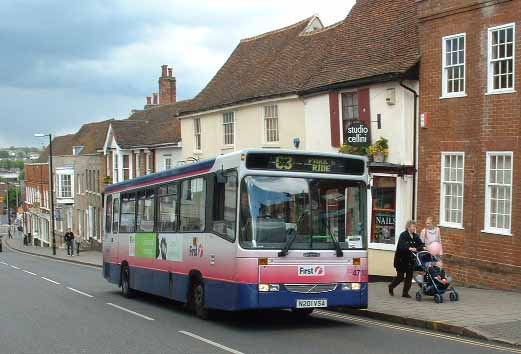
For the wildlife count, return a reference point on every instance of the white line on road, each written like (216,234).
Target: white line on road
(130,311)
(4,263)
(15,267)
(50,280)
(417,331)
(223,347)
(28,272)
(79,292)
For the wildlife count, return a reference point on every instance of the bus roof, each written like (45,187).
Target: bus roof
(205,166)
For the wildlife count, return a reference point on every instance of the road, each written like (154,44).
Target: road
(48,306)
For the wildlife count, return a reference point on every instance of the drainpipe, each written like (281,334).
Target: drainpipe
(414,146)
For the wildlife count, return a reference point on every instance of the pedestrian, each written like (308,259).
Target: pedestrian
(408,243)
(431,237)
(78,242)
(69,241)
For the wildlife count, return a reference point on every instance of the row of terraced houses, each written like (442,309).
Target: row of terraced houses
(436,78)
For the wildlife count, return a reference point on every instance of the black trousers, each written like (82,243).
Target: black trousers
(406,277)
(70,249)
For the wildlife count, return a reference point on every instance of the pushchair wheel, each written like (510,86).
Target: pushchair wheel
(418,296)
(454,296)
(438,298)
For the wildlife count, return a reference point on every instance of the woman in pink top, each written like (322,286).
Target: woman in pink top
(432,238)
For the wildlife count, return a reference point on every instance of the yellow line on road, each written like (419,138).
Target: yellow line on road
(418,331)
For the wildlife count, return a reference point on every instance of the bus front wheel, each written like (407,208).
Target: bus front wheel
(198,300)
(126,290)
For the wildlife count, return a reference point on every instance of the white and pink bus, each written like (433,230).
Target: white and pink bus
(254,229)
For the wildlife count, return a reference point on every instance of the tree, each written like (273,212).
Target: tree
(4,154)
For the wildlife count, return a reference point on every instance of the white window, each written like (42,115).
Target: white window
(64,186)
(451,198)
(498,195)
(229,128)
(168,163)
(454,65)
(126,167)
(501,57)
(271,123)
(197,134)
(116,167)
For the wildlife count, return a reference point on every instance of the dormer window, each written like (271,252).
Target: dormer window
(76,150)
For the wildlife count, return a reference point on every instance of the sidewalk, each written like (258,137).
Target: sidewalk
(489,314)
(92,258)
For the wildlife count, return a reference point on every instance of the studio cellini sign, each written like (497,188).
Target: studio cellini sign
(358,134)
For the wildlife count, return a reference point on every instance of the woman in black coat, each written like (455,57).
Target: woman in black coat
(408,243)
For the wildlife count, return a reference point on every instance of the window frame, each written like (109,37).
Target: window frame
(442,220)
(121,197)
(487,228)
(230,123)
(274,117)
(126,169)
(116,219)
(197,135)
(108,215)
(444,67)
(144,195)
(175,186)
(490,63)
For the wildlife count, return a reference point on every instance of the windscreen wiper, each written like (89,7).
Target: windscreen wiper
(287,246)
(339,252)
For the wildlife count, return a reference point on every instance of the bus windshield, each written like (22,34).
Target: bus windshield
(315,212)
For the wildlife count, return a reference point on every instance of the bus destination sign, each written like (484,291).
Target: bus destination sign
(305,163)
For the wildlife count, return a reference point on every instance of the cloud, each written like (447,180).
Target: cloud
(94,59)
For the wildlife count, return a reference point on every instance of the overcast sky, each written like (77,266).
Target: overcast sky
(65,63)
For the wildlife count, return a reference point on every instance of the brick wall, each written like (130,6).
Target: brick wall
(474,125)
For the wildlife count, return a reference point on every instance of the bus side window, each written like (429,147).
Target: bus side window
(168,206)
(108,215)
(115,216)
(128,213)
(145,211)
(192,205)
(225,204)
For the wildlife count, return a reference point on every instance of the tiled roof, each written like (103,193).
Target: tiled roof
(92,136)
(378,37)
(153,126)
(61,146)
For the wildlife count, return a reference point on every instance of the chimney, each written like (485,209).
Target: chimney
(149,100)
(155,99)
(167,86)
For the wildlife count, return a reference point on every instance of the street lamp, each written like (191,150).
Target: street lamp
(51,189)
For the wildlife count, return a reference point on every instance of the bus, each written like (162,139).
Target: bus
(253,229)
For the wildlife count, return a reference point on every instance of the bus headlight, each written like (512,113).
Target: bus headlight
(268,287)
(350,286)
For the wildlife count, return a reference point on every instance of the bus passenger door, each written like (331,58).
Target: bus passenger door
(114,237)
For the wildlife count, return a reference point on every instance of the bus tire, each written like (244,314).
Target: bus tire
(198,301)
(126,290)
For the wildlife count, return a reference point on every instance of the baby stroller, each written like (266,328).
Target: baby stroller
(434,281)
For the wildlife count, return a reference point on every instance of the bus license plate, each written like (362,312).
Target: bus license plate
(311,303)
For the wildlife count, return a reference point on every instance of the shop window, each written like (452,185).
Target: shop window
(384,210)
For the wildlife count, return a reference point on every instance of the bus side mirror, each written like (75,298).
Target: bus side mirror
(373,192)
(220,177)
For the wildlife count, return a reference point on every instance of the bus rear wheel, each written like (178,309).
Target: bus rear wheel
(126,290)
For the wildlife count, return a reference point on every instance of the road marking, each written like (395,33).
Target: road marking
(50,280)
(4,263)
(130,311)
(15,267)
(418,331)
(79,292)
(28,272)
(220,346)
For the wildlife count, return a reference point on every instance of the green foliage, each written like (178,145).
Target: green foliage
(12,164)
(380,146)
(353,150)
